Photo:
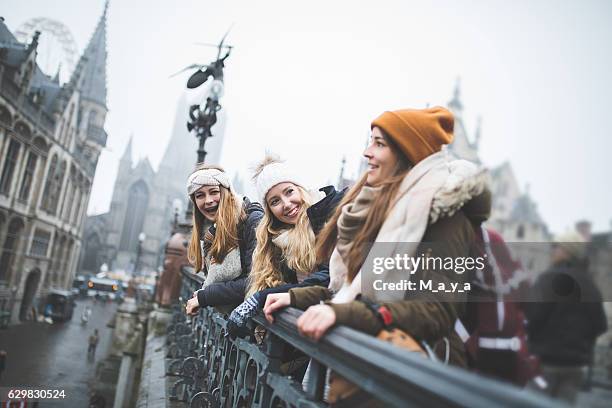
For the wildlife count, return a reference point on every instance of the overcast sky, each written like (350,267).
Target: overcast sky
(306,78)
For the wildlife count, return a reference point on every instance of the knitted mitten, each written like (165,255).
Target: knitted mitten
(247,309)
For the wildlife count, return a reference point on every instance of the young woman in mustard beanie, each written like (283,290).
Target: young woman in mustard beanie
(285,254)
(413,193)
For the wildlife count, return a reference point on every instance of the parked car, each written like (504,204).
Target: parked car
(59,305)
(79,285)
(104,288)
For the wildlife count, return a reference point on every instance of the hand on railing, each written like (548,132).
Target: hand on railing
(315,321)
(193,306)
(274,302)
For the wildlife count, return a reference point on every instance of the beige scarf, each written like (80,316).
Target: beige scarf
(350,222)
(436,187)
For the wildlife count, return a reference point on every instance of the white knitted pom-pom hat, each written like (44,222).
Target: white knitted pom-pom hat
(270,172)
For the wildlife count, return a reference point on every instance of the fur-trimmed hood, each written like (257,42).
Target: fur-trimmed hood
(466,188)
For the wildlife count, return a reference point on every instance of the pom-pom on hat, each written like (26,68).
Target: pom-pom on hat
(418,132)
(270,172)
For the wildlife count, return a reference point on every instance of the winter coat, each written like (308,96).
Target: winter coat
(430,319)
(318,214)
(564,326)
(232,292)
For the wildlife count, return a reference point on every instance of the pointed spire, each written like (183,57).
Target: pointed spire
(92,64)
(478,132)
(341,176)
(127,154)
(56,77)
(34,43)
(455,103)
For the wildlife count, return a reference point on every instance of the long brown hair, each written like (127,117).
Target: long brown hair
(229,214)
(379,210)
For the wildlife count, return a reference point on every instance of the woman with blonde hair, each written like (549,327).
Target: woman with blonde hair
(222,238)
(285,254)
(414,201)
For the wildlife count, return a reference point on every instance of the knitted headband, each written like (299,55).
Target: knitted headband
(273,174)
(207,177)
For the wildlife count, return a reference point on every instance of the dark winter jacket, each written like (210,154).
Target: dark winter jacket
(429,319)
(318,214)
(232,292)
(564,326)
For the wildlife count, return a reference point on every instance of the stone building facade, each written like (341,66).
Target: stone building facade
(51,136)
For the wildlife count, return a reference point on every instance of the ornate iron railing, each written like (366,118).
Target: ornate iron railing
(214,370)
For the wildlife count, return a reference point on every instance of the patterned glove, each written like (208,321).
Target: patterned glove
(247,309)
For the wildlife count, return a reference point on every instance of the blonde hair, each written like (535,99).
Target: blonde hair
(299,255)
(229,214)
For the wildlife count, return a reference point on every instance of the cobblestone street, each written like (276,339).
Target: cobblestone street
(54,356)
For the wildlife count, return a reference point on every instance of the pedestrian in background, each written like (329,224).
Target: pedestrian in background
(569,316)
(2,362)
(222,239)
(93,343)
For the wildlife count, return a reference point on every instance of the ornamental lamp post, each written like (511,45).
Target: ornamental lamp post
(203,116)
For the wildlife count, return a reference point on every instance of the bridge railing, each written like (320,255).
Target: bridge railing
(215,370)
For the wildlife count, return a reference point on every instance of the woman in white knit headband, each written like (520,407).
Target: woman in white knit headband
(285,252)
(222,238)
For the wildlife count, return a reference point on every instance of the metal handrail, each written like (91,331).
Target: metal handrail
(392,375)
(397,377)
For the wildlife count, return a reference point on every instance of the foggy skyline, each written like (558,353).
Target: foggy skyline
(305,79)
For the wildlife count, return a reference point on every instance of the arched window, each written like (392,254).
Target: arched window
(28,177)
(11,245)
(55,179)
(59,261)
(60,182)
(23,130)
(78,198)
(70,195)
(5,116)
(50,184)
(40,243)
(10,163)
(65,271)
(138,200)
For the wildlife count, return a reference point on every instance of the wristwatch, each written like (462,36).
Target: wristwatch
(380,311)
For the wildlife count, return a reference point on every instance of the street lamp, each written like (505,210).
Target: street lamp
(141,239)
(203,116)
